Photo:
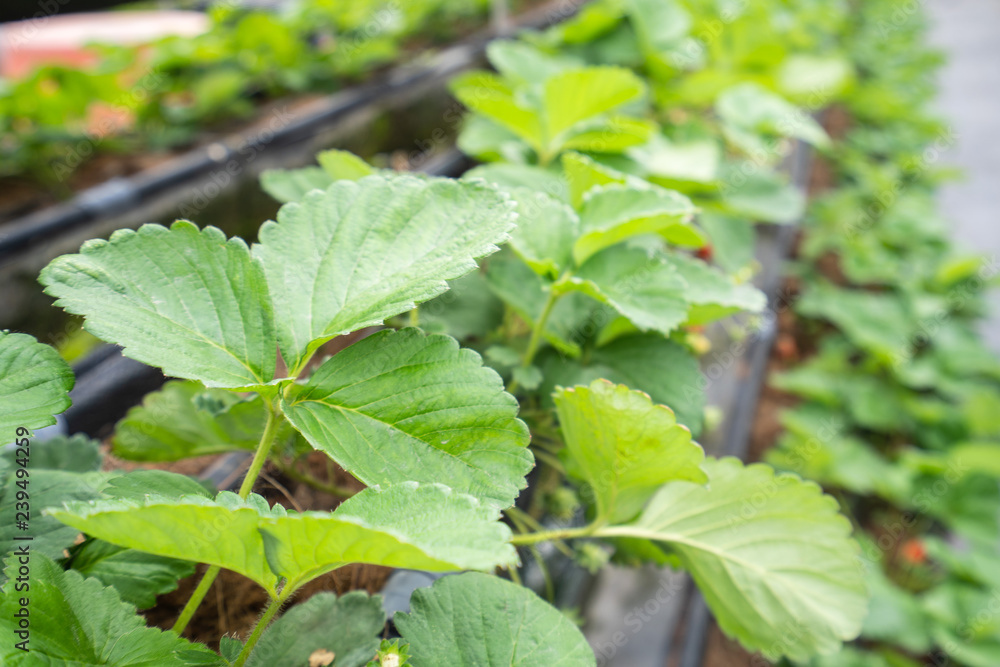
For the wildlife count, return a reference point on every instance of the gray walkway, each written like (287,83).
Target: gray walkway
(969,32)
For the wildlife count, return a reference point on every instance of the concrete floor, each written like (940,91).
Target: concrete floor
(969,32)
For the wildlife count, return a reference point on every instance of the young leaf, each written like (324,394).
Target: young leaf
(546,229)
(219,532)
(418,526)
(609,135)
(647,289)
(347,626)
(343,166)
(666,371)
(34,383)
(137,576)
(183,299)
(522,63)
(362,251)
(488,94)
(403,406)
(177,422)
(575,95)
(76,621)
(770,553)
(624,446)
(478,619)
(615,213)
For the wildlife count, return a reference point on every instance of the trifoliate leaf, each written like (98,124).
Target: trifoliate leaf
(403,406)
(546,230)
(347,626)
(34,383)
(76,621)
(174,423)
(624,446)
(647,289)
(665,370)
(478,619)
(183,299)
(417,526)
(575,95)
(362,251)
(219,532)
(615,213)
(137,576)
(769,552)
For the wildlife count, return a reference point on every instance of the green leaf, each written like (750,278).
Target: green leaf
(546,230)
(525,292)
(34,383)
(402,406)
(490,95)
(477,619)
(711,293)
(522,63)
(219,532)
(645,288)
(672,163)
(584,174)
(614,213)
(76,621)
(875,321)
(48,488)
(659,24)
(467,310)
(416,526)
(363,251)
(287,185)
(348,626)
(576,95)
(665,370)
(138,577)
(77,453)
(770,553)
(754,109)
(614,134)
(513,176)
(624,446)
(183,299)
(174,423)
(343,166)
(761,195)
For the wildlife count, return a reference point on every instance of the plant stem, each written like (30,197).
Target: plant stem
(536,336)
(199,594)
(272,608)
(332,489)
(267,439)
(274,419)
(545,535)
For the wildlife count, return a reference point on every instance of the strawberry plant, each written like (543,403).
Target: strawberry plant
(427,429)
